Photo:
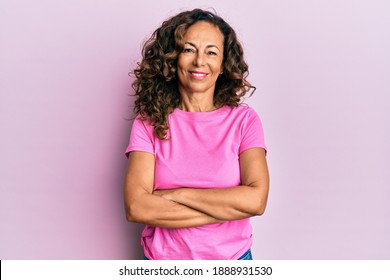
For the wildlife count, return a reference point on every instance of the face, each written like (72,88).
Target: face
(200,62)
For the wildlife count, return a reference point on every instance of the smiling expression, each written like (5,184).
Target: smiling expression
(200,62)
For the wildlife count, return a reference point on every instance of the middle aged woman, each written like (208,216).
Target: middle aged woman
(197,169)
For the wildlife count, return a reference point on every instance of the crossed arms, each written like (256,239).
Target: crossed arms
(189,207)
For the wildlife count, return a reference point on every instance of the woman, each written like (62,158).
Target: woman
(197,169)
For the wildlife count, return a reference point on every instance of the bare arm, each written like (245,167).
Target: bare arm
(144,207)
(246,200)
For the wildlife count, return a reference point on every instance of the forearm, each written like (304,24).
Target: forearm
(153,210)
(142,206)
(223,203)
(246,200)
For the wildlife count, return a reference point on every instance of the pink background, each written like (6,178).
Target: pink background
(322,71)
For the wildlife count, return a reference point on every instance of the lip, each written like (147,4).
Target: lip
(198,75)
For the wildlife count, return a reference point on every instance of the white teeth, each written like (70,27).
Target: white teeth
(198,74)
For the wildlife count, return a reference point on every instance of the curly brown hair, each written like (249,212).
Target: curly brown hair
(155,86)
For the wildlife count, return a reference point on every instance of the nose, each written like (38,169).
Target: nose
(199,59)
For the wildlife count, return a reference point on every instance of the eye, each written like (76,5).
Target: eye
(188,50)
(211,53)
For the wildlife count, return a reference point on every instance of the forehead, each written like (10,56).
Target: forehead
(204,32)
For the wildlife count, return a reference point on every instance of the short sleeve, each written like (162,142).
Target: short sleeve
(252,132)
(141,138)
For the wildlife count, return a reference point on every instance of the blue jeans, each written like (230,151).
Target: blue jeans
(246,256)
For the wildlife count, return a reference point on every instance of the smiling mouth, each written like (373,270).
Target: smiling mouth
(198,75)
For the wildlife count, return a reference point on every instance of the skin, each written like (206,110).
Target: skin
(199,65)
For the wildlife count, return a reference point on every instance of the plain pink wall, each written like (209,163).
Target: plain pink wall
(322,74)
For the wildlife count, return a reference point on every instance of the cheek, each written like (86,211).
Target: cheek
(183,61)
(179,68)
(180,71)
(217,67)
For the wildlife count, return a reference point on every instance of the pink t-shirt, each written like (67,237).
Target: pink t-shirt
(202,152)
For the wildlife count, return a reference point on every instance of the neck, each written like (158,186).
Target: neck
(196,108)
(193,104)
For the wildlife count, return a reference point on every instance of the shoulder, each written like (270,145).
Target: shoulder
(142,121)
(247,117)
(244,111)
(142,125)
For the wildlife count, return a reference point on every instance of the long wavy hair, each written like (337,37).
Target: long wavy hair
(155,86)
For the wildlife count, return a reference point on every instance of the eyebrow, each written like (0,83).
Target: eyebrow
(208,46)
